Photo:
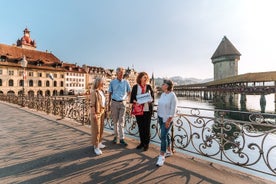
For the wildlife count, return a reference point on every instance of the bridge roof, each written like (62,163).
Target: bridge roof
(225,48)
(248,77)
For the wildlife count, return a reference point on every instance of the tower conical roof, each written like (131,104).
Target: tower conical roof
(225,48)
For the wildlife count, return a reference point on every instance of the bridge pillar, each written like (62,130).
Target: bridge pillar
(231,98)
(205,95)
(243,102)
(275,102)
(211,95)
(262,103)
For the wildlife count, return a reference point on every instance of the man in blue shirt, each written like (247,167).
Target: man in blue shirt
(119,90)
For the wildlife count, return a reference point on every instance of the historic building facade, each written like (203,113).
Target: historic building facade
(25,70)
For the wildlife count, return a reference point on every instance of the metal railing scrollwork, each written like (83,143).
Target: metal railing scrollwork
(245,139)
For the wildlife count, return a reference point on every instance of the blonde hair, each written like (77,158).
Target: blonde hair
(97,82)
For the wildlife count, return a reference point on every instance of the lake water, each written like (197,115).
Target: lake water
(252,103)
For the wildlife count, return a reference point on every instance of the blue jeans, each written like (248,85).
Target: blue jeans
(165,138)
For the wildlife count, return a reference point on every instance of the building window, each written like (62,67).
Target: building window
(1,72)
(47,83)
(21,82)
(55,83)
(39,74)
(61,83)
(0,82)
(11,72)
(31,74)
(62,76)
(55,75)
(3,58)
(31,83)
(39,83)
(21,73)
(10,82)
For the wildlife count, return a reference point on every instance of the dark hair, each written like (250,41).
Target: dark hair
(140,75)
(169,83)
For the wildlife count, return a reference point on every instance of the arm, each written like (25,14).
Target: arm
(93,103)
(133,94)
(151,93)
(128,89)
(172,112)
(109,101)
(109,96)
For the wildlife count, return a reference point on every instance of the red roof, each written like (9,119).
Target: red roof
(13,52)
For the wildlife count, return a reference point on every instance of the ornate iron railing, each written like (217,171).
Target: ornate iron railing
(240,138)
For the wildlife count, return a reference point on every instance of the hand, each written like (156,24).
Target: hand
(167,124)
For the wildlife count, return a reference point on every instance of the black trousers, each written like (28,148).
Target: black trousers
(144,122)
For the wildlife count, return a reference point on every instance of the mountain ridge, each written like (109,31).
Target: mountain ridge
(178,80)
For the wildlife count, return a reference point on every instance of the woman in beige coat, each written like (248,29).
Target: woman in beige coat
(98,102)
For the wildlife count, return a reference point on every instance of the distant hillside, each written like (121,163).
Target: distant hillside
(178,80)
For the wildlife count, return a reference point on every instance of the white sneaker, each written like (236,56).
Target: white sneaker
(168,154)
(98,151)
(160,161)
(101,145)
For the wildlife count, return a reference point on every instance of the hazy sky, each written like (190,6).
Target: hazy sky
(164,37)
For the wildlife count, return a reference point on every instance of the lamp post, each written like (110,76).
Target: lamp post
(86,69)
(24,64)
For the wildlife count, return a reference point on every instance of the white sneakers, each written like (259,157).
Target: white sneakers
(168,154)
(98,151)
(160,161)
(161,158)
(101,145)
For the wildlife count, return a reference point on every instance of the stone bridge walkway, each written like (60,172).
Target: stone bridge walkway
(37,148)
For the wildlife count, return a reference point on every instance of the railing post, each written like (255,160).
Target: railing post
(221,125)
(172,139)
(48,105)
(62,108)
(83,108)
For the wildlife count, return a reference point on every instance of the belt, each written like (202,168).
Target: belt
(117,100)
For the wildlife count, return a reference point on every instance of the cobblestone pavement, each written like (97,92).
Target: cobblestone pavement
(36,148)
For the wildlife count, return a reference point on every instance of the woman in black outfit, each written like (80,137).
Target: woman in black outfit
(144,120)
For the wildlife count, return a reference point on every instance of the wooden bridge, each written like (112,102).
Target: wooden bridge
(250,83)
(262,83)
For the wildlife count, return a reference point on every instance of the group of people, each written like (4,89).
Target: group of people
(119,91)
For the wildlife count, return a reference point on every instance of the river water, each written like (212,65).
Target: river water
(252,103)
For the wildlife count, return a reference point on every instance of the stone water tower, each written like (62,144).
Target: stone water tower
(225,60)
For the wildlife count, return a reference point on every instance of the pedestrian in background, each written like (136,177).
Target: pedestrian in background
(98,104)
(144,119)
(119,90)
(166,111)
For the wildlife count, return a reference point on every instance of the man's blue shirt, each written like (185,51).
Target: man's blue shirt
(119,89)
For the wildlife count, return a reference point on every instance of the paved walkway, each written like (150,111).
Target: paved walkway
(36,148)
